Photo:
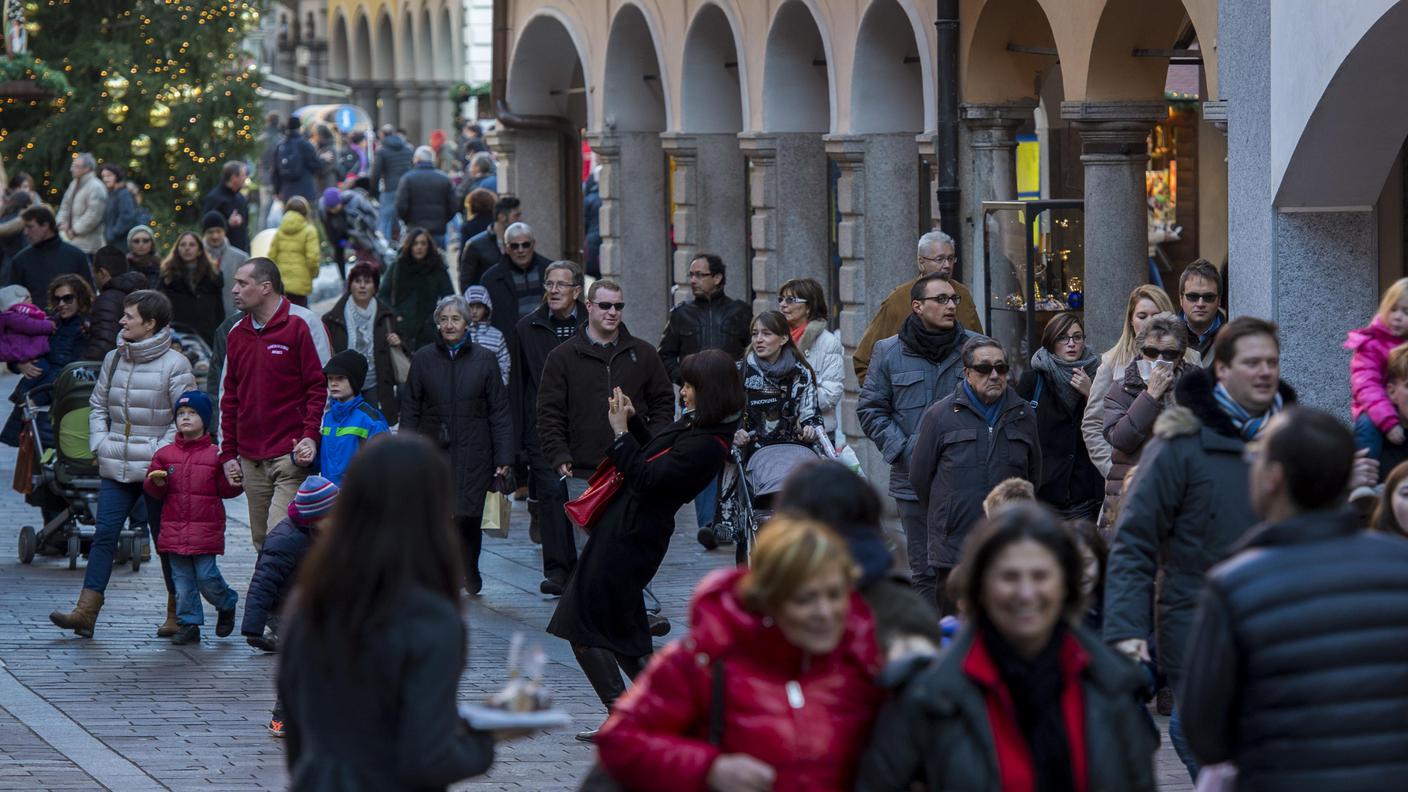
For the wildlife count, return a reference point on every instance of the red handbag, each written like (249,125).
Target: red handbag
(586,509)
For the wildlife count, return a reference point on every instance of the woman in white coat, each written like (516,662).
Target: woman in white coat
(803,302)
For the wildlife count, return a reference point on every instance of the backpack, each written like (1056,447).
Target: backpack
(290,162)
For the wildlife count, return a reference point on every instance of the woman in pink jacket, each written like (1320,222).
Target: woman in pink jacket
(1375,417)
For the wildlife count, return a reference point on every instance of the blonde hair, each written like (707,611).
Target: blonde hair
(1392,296)
(1008,491)
(790,552)
(1397,368)
(1124,350)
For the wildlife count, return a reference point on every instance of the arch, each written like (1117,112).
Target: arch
(425,47)
(360,60)
(384,53)
(714,95)
(1346,150)
(1114,72)
(338,64)
(406,46)
(1006,51)
(635,84)
(447,56)
(547,70)
(887,81)
(799,88)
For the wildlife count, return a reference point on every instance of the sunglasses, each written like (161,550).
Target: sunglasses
(520,245)
(987,368)
(65,298)
(610,306)
(943,299)
(791,301)
(1171,355)
(1204,297)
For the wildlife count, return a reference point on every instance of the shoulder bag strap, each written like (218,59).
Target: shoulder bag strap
(1036,394)
(716,705)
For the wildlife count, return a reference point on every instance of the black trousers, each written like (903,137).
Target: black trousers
(154,525)
(559,548)
(471,541)
(603,668)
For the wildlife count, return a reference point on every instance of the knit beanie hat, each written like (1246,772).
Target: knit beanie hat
(479,294)
(111,259)
(331,197)
(198,401)
(314,499)
(348,363)
(213,219)
(141,229)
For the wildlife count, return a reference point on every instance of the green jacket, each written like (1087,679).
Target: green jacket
(412,288)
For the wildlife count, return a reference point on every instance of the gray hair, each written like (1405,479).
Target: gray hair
(455,301)
(423,154)
(972,345)
(86,160)
(570,267)
(518,230)
(934,239)
(482,161)
(1163,325)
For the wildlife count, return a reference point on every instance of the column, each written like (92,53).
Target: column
(992,145)
(528,168)
(634,248)
(710,216)
(430,107)
(1114,151)
(787,193)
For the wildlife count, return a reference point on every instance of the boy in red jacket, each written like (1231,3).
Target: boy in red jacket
(187,475)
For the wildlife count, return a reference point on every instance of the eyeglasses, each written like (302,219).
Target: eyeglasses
(610,306)
(1078,338)
(558,285)
(1197,297)
(944,259)
(789,300)
(1171,355)
(985,369)
(944,299)
(520,245)
(66,298)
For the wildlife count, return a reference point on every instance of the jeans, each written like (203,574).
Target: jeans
(269,485)
(196,577)
(706,504)
(1367,435)
(1180,745)
(386,214)
(915,521)
(116,500)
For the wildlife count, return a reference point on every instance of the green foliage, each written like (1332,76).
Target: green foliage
(129,65)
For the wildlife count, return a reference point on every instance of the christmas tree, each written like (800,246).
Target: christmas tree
(160,87)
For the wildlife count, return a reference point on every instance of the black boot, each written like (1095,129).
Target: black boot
(471,540)
(186,634)
(602,672)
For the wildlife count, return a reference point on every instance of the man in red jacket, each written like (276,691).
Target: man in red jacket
(272,395)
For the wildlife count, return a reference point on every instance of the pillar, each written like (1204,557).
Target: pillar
(634,248)
(710,212)
(787,196)
(1114,151)
(528,168)
(992,146)
(430,107)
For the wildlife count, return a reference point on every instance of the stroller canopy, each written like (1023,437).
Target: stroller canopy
(770,465)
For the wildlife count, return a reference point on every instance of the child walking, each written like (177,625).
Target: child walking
(187,476)
(24,327)
(483,333)
(1375,417)
(348,421)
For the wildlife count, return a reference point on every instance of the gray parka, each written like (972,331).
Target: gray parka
(134,405)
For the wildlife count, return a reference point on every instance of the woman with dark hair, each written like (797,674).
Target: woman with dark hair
(1023,699)
(780,391)
(1094,556)
(69,302)
(803,303)
(374,641)
(414,285)
(1057,387)
(479,213)
(602,611)
(195,287)
(361,322)
(120,214)
(831,493)
(1391,515)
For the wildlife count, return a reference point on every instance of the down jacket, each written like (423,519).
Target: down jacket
(83,207)
(24,333)
(193,509)
(1130,415)
(296,250)
(1368,373)
(134,405)
(812,736)
(107,309)
(274,573)
(823,351)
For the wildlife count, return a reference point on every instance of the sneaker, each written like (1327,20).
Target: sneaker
(551,586)
(186,634)
(659,625)
(225,624)
(707,538)
(276,727)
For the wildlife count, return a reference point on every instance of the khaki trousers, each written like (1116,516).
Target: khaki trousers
(269,485)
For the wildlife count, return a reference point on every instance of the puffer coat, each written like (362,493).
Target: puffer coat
(1130,414)
(24,333)
(296,250)
(808,717)
(134,405)
(1368,373)
(193,509)
(824,353)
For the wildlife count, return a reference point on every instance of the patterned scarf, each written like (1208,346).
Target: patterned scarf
(1245,424)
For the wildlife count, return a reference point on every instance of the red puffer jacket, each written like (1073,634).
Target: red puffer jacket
(812,735)
(193,515)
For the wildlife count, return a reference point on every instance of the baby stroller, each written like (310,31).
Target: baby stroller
(750,483)
(189,343)
(66,482)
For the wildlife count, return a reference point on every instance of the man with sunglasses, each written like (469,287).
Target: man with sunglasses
(936,256)
(909,372)
(515,284)
(1200,298)
(47,256)
(975,438)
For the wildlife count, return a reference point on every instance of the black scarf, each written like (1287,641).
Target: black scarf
(932,345)
(1035,687)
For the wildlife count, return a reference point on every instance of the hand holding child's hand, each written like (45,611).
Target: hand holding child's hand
(1395,435)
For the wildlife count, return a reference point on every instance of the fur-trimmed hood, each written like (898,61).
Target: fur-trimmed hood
(1197,407)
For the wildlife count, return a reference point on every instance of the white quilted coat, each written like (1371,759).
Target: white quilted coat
(826,356)
(134,405)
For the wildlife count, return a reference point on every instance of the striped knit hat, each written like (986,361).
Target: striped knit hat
(314,499)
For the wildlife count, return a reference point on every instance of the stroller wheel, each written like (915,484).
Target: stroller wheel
(73,542)
(123,551)
(28,544)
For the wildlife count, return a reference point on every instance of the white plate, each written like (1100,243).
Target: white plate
(490,718)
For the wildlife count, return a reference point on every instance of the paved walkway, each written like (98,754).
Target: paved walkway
(127,711)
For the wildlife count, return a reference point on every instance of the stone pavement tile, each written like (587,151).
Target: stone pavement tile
(27,762)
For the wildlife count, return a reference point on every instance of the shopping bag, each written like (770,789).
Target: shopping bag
(496,513)
(23,482)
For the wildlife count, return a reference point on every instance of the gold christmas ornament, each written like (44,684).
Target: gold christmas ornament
(159,115)
(133,165)
(31,8)
(192,186)
(172,143)
(117,112)
(222,126)
(141,145)
(32,27)
(116,85)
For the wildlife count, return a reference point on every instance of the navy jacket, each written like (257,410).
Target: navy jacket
(274,573)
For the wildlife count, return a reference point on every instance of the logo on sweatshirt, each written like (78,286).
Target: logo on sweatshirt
(277,349)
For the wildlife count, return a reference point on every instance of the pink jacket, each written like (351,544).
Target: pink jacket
(24,333)
(1368,373)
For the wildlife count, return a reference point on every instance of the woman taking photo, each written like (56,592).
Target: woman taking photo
(1023,699)
(602,610)
(134,414)
(1132,407)
(297,250)
(414,285)
(361,322)
(454,396)
(373,645)
(195,287)
(70,300)
(803,303)
(791,648)
(1058,385)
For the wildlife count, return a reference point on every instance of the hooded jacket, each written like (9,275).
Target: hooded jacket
(1368,374)
(296,250)
(193,509)
(347,426)
(24,333)
(134,405)
(806,716)
(1130,414)
(107,309)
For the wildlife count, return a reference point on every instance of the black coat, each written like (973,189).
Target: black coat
(384,323)
(425,199)
(103,324)
(503,280)
(480,252)
(602,605)
(1302,647)
(1068,477)
(201,308)
(274,573)
(392,160)
(720,322)
(461,404)
(226,201)
(389,721)
(120,215)
(528,352)
(37,265)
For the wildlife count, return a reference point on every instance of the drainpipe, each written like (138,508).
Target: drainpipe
(570,154)
(946,82)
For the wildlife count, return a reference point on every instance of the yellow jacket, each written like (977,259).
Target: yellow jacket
(295,249)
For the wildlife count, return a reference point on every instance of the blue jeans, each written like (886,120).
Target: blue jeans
(706,504)
(1367,435)
(1180,745)
(196,577)
(116,500)
(386,214)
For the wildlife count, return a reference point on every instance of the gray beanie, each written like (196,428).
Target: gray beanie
(139,229)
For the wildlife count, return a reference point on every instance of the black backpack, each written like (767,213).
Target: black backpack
(290,164)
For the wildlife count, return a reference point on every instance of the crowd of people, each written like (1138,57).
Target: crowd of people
(1103,536)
